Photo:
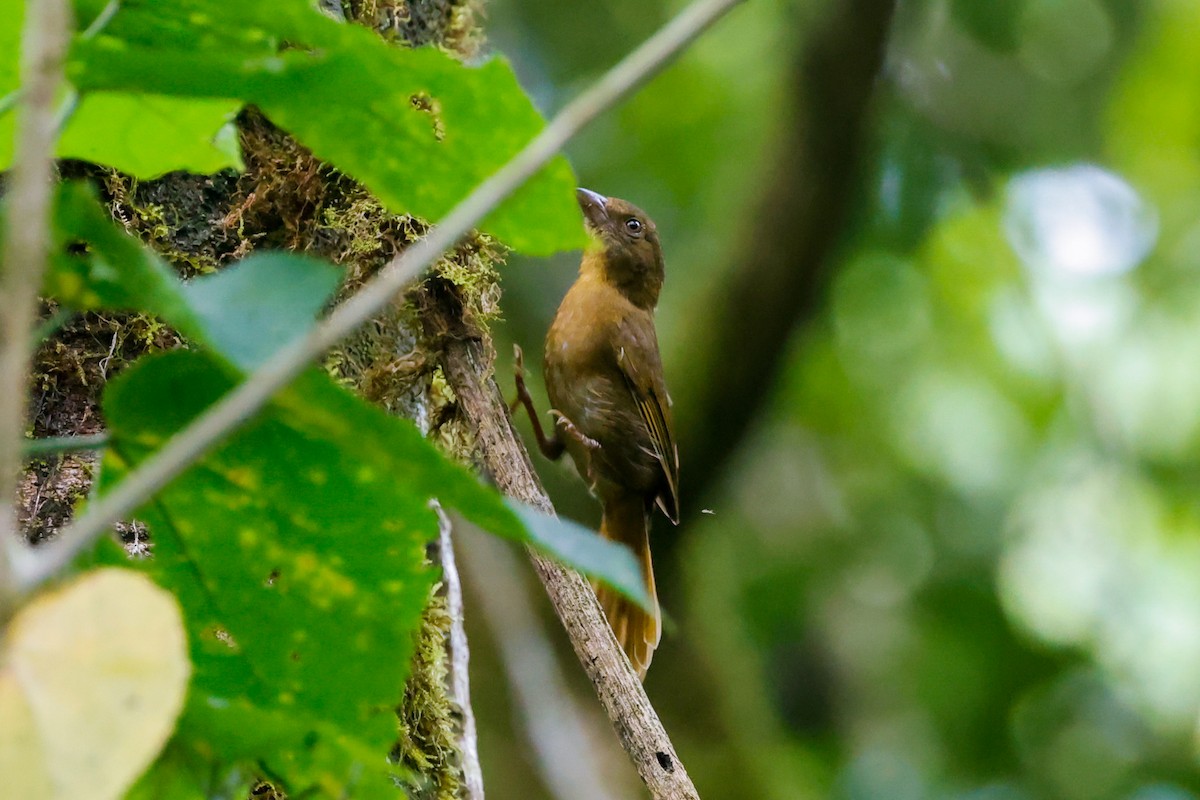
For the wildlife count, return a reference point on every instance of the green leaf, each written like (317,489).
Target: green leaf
(302,572)
(179,774)
(245,312)
(572,543)
(97,265)
(418,128)
(298,550)
(150,135)
(141,134)
(262,303)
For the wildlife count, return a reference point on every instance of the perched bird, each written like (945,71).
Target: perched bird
(612,412)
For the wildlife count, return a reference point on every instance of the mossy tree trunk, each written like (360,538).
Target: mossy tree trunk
(285,198)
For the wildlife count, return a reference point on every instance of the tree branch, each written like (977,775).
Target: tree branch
(467,363)
(252,394)
(559,739)
(27,246)
(460,658)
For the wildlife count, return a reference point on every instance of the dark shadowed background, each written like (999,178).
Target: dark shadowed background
(932,329)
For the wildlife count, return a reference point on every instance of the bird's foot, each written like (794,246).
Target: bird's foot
(551,446)
(569,429)
(590,445)
(519,376)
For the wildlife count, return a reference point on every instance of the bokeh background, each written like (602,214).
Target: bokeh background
(932,329)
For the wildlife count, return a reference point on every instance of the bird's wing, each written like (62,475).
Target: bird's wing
(650,394)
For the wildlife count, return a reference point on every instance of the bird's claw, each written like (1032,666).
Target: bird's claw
(590,444)
(552,446)
(569,429)
(519,360)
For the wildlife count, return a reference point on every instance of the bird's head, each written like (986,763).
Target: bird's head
(628,252)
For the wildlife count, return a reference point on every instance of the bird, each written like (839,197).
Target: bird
(611,409)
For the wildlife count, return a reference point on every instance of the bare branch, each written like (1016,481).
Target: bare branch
(558,736)
(467,364)
(27,246)
(460,658)
(220,419)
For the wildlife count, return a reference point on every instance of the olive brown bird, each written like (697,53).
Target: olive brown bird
(612,412)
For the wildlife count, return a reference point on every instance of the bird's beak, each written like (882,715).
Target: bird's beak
(593,205)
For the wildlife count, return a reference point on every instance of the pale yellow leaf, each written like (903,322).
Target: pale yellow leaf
(92,679)
(20,757)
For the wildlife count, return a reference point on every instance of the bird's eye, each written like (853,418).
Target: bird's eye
(633,225)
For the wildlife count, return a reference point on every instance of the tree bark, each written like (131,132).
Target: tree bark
(467,359)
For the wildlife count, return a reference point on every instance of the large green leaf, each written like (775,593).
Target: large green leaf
(141,134)
(97,265)
(302,575)
(149,135)
(417,127)
(298,550)
(253,308)
(245,312)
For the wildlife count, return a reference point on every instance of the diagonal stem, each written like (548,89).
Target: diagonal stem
(252,394)
(54,445)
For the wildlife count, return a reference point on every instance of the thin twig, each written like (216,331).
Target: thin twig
(467,364)
(460,658)
(558,736)
(53,445)
(27,246)
(102,19)
(217,422)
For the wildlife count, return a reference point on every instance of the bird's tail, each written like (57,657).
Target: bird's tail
(637,631)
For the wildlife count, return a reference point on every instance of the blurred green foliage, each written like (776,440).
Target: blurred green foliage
(960,556)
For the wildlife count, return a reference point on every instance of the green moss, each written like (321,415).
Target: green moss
(429,721)
(175,217)
(472,267)
(452,25)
